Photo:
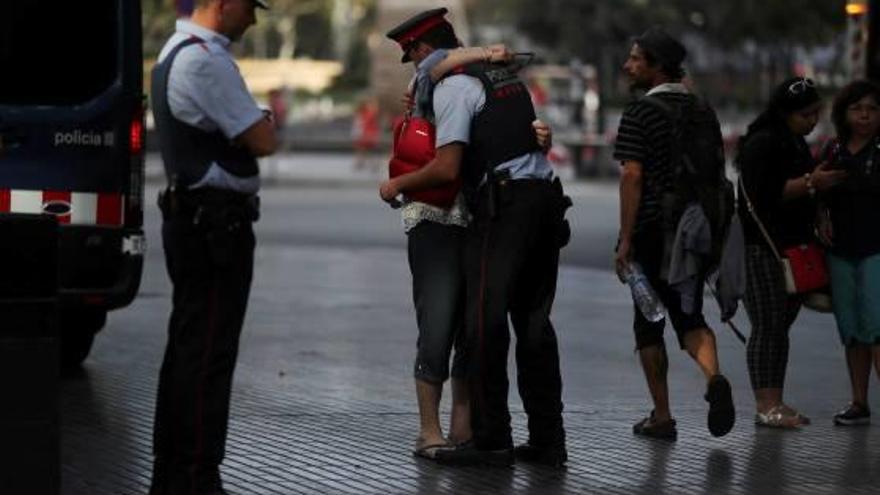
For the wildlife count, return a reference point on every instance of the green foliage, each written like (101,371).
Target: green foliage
(313,35)
(583,27)
(356,75)
(158,24)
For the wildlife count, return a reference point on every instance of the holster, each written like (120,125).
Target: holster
(497,191)
(219,215)
(209,205)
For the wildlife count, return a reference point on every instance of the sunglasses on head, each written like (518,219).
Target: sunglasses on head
(800,86)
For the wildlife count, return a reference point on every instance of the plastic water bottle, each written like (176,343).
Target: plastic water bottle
(643,294)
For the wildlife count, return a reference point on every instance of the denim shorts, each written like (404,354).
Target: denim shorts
(435,253)
(855,289)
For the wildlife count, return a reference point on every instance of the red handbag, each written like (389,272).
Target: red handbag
(804,268)
(414,147)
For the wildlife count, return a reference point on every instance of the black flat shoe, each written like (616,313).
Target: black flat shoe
(553,455)
(467,454)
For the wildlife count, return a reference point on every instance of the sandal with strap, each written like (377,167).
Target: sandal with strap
(429,451)
(650,427)
(780,417)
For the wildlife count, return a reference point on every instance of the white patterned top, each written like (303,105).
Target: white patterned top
(415,212)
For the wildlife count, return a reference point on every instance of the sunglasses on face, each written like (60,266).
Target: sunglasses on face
(800,86)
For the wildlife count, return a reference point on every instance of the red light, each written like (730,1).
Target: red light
(94,300)
(136,135)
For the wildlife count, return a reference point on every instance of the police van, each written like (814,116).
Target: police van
(72,146)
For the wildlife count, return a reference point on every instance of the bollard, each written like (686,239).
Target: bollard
(29,426)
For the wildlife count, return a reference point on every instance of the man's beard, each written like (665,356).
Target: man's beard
(636,84)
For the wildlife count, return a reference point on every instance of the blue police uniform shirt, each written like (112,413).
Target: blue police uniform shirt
(206,90)
(457,100)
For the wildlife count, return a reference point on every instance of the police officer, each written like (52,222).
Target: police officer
(484,116)
(211,132)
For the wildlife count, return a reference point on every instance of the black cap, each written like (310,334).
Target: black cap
(663,46)
(263,4)
(415,27)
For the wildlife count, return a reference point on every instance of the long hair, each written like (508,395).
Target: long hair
(851,93)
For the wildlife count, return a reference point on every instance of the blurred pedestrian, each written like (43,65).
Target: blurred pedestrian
(779,182)
(278,106)
(211,132)
(366,132)
(539,95)
(648,186)
(849,228)
(485,136)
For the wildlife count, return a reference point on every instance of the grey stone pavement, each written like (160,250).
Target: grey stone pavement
(323,399)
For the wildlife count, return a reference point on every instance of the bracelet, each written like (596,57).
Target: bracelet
(811,189)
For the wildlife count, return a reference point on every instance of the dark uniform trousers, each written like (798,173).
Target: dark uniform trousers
(512,264)
(209,248)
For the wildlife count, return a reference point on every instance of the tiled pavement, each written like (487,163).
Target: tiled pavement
(323,399)
(282,444)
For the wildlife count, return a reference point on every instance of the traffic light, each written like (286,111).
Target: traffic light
(856,39)
(872,55)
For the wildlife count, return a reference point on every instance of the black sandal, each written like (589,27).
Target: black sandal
(649,427)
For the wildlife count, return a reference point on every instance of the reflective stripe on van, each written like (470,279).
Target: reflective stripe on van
(71,208)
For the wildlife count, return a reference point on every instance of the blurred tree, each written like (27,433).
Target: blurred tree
(356,55)
(291,28)
(158,24)
(762,34)
(299,21)
(583,27)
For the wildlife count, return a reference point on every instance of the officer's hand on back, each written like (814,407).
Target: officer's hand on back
(499,54)
(544,135)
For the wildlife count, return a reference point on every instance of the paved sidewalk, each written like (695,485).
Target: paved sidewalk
(323,399)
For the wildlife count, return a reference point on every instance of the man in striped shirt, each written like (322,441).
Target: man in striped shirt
(644,148)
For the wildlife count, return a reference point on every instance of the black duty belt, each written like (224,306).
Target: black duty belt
(209,202)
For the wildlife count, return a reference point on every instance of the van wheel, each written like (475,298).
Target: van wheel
(78,328)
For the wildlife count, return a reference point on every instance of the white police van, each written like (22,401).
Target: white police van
(72,145)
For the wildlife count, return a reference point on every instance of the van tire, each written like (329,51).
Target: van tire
(78,328)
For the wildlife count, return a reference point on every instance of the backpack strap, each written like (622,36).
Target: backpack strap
(658,103)
(673,115)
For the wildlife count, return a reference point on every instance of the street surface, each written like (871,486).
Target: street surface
(323,399)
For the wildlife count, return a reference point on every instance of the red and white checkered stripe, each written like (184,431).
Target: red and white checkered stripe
(85,208)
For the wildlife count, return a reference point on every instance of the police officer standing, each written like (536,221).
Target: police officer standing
(484,117)
(211,132)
